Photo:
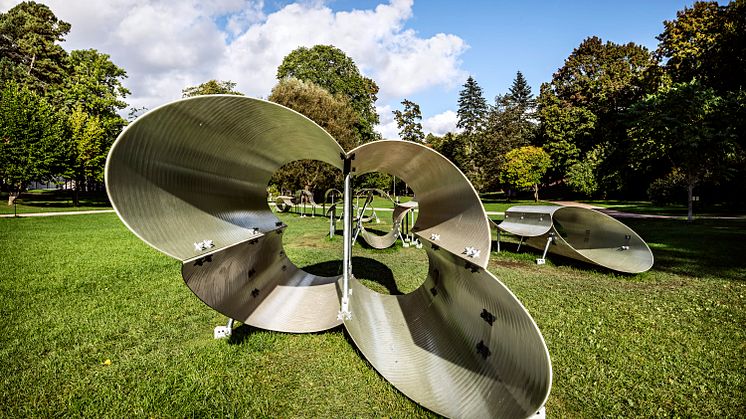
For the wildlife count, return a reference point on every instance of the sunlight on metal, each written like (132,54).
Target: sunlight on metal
(190,177)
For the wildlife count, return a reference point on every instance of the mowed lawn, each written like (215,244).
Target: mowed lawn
(78,291)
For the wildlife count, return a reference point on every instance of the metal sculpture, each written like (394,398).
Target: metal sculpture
(189,179)
(400,214)
(579,233)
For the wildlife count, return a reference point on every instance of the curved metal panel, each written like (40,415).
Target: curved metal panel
(461,344)
(449,207)
(582,234)
(190,179)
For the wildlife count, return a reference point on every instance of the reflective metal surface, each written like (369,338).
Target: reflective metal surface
(461,344)
(401,210)
(582,234)
(196,170)
(189,178)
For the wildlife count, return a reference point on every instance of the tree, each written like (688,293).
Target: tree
(472,115)
(524,168)
(706,42)
(88,149)
(406,121)
(334,114)
(472,108)
(29,46)
(584,107)
(510,124)
(683,126)
(30,136)
(451,147)
(212,87)
(329,67)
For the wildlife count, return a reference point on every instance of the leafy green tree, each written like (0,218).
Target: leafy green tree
(451,147)
(584,107)
(331,112)
(30,137)
(212,87)
(29,46)
(94,83)
(327,66)
(683,126)
(88,150)
(706,42)
(524,168)
(407,122)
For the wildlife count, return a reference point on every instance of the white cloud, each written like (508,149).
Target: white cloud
(441,123)
(387,126)
(166,45)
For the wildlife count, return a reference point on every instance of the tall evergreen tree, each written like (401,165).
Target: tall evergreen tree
(472,108)
(407,122)
(30,52)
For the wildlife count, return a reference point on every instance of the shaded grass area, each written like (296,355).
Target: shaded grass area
(52,201)
(77,291)
(647,207)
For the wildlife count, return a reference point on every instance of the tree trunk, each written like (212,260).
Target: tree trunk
(12,196)
(76,193)
(536,192)
(690,189)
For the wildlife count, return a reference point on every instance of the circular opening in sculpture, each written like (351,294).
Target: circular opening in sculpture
(387,256)
(304,194)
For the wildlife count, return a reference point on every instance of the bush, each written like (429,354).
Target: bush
(669,189)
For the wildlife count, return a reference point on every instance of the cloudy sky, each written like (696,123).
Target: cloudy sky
(421,51)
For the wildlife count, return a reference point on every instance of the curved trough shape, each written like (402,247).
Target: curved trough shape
(387,240)
(461,344)
(582,234)
(189,178)
(196,170)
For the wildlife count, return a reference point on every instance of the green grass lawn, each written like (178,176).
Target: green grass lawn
(77,291)
(53,201)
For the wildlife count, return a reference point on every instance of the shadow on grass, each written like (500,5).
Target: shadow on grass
(704,248)
(362,268)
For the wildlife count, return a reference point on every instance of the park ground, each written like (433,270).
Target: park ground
(95,323)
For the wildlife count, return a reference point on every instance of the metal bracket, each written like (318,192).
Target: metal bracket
(226,331)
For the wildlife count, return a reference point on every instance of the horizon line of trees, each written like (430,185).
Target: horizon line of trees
(615,121)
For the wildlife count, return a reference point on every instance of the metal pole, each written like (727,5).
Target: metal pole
(344,313)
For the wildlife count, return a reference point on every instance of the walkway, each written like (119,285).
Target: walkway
(52,214)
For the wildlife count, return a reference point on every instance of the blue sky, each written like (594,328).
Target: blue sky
(418,50)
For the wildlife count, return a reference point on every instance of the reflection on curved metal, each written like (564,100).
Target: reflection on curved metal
(461,345)
(580,233)
(387,240)
(189,178)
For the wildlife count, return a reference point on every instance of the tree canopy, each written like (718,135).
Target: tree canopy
(331,112)
(410,129)
(211,87)
(30,53)
(524,168)
(329,67)
(32,146)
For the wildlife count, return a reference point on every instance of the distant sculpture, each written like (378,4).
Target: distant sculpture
(189,178)
(579,233)
(398,220)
